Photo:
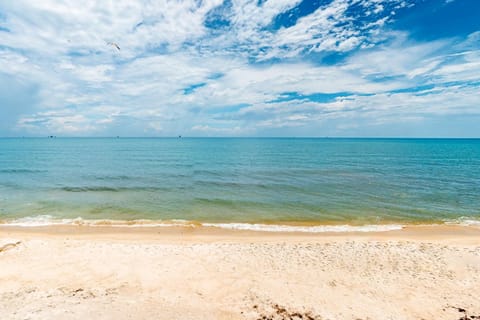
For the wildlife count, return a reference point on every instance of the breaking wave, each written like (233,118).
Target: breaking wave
(47,220)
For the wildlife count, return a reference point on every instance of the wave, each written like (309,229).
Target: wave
(47,220)
(90,189)
(163,175)
(112,177)
(306,229)
(22,171)
(37,221)
(113,189)
(464,221)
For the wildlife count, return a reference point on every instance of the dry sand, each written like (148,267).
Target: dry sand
(205,273)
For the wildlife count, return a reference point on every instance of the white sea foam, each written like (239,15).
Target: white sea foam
(311,229)
(47,220)
(37,221)
(464,221)
(132,223)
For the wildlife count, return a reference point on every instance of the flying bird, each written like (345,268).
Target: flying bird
(113,44)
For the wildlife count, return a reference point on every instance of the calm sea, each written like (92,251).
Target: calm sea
(243,181)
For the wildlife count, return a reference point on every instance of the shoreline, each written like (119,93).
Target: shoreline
(444,232)
(303,226)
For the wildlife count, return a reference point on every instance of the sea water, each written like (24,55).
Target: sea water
(240,182)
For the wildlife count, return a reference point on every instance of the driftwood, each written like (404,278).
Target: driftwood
(9,246)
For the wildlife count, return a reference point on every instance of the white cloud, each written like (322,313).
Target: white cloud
(173,74)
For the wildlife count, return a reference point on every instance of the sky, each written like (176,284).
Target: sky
(346,68)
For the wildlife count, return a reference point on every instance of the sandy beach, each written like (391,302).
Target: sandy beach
(76,272)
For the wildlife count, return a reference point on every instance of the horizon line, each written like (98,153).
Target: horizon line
(230,137)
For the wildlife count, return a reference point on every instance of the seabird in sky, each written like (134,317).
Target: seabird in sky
(113,44)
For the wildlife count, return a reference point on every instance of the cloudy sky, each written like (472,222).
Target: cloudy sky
(240,68)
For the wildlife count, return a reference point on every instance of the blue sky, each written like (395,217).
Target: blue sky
(391,68)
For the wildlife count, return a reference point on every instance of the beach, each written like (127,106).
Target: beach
(86,272)
(243,160)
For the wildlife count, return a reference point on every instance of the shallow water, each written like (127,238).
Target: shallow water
(226,180)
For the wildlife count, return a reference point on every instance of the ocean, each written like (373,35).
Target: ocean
(307,184)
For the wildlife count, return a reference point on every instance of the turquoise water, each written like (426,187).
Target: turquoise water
(318,181)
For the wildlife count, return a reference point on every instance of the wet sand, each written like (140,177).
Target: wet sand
(78,272)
